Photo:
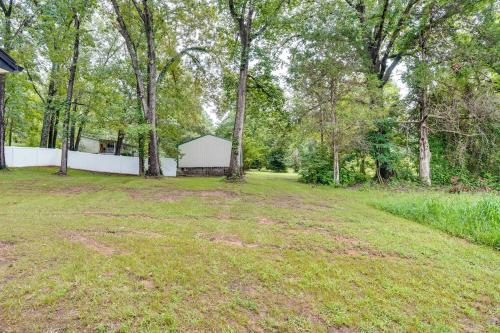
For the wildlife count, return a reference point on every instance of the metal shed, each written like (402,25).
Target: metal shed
(207,155)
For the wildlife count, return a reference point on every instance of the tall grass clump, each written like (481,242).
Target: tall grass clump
(474,218)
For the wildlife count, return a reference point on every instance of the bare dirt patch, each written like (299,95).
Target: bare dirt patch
(364,251)
(125,233)
(91,244)
(230,240)
(224,216)
(294,202)
(6,252)
(116,215)
(175,195)
(266,221)
(74,189)
(148,284)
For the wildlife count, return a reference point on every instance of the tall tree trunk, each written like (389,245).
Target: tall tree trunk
(425,153)
(335,138)
(49,109)
(71,83)
(322,126)
(424,168)
(335,149)
(235,166)
(236,161)
(141,138)
(119,142)
(54,126)
(142,154)
(154,167)
(3,163)
(73,126)
(79,136)
(11,129)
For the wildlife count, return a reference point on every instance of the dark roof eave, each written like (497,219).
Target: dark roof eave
(7,63)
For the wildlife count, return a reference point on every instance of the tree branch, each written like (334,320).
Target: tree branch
(34,86)
(139,10)
(122,27)
(173,59)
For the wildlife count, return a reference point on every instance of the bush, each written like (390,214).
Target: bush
(351,171)
(316,166)
(476,219)
(276,160)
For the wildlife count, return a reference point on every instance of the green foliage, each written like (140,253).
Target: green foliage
(353,170)
(276,160)
(382,147)
(473,218)
(316,166)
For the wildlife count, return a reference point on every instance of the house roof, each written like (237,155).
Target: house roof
(202,136)
(7,63)
(97,138)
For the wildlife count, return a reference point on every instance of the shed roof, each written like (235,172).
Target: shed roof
(7,63)
(203,136)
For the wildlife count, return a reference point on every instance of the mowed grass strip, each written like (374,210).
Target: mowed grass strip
(103,253)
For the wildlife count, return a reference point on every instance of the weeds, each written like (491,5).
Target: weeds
(474,218)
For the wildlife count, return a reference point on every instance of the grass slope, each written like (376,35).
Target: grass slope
(98,253)
(474,217)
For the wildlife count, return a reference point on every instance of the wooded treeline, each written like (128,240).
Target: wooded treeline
(343,91)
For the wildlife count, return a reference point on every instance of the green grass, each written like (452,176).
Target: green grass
(473,217)
(100,253)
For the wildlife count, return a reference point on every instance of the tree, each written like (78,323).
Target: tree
(71,83)
(390,30)
(252,19)
(147,87)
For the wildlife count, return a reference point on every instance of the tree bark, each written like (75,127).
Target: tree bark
(322,125)
(154,167)
(335,144)
(142,154)
(54,126)
(49,109)
(425,153)
(424,168)
(119,142)
(235,166)
(79,136)
(63,170)
(11,129)
(73,126)
(3,163)
(335,149)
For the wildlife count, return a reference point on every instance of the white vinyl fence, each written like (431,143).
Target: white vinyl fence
(31,157)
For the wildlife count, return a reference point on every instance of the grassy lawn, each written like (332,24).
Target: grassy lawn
(99,253)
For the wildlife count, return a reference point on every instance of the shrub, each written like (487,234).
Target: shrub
(276,160)
(316,166)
